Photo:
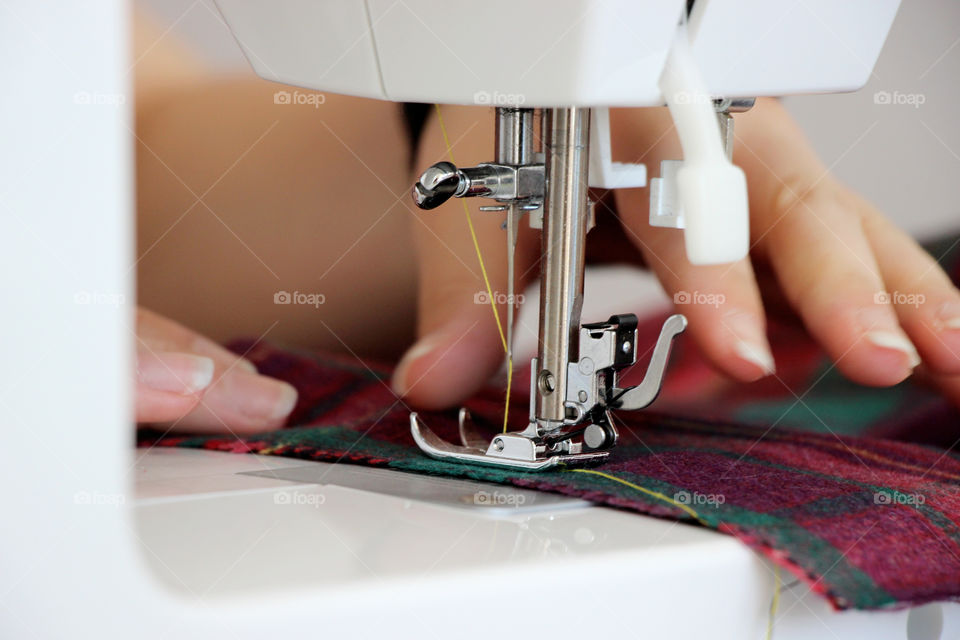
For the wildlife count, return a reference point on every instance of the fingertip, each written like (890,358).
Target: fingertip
(936,334)
(451,364)
(757,357)
(183,374)
(154,406)
(736,343)
(878,357)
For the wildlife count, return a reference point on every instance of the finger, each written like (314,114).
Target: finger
(926,301)
(163,334)
(722,303)
(241,403)
(208,390)
(459,345)
(169,385)
(808,228)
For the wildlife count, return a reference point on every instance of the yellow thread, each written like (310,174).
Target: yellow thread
(483,270)
(775,602)
(649,492)
(506,408)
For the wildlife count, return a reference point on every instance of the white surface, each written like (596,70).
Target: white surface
(756,47)
(237,538)
(305,42)
(556,52)
(327,536)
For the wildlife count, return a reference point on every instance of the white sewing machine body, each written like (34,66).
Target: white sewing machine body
(558,53)
(104,540)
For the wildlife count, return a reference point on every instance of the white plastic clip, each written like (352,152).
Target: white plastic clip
(707,194)
(604,173)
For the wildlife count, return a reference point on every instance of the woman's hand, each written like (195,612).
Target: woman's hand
(818,249)
(194,384)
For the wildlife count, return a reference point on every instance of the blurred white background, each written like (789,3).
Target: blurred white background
(904,157)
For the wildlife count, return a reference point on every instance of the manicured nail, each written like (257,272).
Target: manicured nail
(750,342)
(399,384)
(246,365)
(182,373)
(949,315)
(756,354)
(259,396)
(897,342)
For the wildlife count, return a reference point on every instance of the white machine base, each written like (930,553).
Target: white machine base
(229,526)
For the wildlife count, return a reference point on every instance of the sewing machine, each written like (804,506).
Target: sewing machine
(703,59)
(177,543)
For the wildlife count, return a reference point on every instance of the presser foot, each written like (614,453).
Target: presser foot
(522,450)
(587,434)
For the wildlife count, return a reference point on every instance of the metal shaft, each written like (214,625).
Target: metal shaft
(514,136)
(514,147)
(566,137)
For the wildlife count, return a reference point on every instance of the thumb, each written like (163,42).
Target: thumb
(459,342)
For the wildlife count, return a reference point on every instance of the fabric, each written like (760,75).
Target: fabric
(809,470)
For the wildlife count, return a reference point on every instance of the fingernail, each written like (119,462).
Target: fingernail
(246,365)
(897,342)
(751,343)
(399,384)
(949,315)
(756,354)
(182,373)
(259,396)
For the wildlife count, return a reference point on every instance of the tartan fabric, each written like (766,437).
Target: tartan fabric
(809,470)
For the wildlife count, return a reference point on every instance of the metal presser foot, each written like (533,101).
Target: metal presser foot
(587,433)
(573,380)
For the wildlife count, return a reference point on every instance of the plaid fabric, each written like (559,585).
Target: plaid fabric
(806,469)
